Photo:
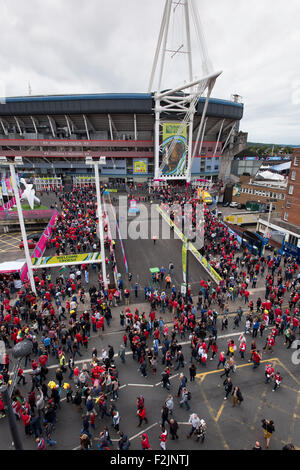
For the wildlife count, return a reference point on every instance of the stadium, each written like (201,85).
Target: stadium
(54,134)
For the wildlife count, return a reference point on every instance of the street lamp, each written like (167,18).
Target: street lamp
(102,161)
(19,351)
(12,164)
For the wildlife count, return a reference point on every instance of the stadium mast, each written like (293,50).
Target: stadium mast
(174,101)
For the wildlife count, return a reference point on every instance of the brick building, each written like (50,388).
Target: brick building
(286,229)
(261,191)
(291,210)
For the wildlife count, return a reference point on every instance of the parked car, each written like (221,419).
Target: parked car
(225,204)
(31,244)
(36,236)
(234,204)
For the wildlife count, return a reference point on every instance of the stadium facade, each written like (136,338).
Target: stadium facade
(54,134)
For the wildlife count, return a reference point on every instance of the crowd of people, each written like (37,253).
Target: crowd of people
(62,318)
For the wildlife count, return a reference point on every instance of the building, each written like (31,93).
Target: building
(54,134)
(291,211)
(263,192)
(287,227)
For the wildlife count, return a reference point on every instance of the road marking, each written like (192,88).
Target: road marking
(204,374)
(289,372)
(292,427)
(142,432)
(219,413)
(211,412)
(140,385)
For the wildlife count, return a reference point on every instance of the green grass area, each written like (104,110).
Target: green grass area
(26,207)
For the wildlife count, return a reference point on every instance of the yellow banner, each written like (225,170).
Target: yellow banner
(170,129)
(50,260)
(140,166)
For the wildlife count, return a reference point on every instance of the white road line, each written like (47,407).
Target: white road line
(140,385)
(173,376)
(184,343)
(142,432)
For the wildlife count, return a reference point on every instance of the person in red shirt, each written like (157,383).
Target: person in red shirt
(141,412)
(26,421)
(269,372)
(256,358)
(222,359)
(277,381)
(270,343)
(2,410)
(145,442)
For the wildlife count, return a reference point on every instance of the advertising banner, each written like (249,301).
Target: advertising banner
(66,259)
(184,259)
(41,245)
(174,148)
(140,167)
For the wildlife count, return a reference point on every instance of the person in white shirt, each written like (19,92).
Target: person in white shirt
(194,420)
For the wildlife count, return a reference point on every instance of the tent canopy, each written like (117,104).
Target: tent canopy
(9,267)
(268,175)
(282,167)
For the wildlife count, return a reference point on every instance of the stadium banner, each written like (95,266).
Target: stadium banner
(174,148)
(81,258)
(140,166)
(41,245)
(202,260)
(184,259)
(9,186)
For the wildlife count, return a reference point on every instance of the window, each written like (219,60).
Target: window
(293,240)
(286,216)
(288,203)
(296,161)
(293,175)
(291,189)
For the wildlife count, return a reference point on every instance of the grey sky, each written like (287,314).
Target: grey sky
(70,46)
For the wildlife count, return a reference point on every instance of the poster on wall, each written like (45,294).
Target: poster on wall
(174,149)
(140,166)
(236,190)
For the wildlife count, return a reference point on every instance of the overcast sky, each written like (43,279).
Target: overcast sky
(70,46)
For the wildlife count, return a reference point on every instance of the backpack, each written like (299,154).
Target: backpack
(189,395)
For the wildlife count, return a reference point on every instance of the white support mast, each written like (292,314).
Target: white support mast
(174,102)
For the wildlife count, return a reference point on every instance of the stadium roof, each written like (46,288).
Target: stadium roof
(102,103)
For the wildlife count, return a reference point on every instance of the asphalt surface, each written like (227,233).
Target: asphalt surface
(227,427)
(143,254)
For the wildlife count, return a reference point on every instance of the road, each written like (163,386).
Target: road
(227,427)
(143,254)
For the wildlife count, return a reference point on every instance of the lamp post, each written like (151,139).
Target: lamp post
(89,161)
(19,351)
(12,164)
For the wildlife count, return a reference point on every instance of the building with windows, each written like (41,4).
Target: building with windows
(261,191)
(287,227)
